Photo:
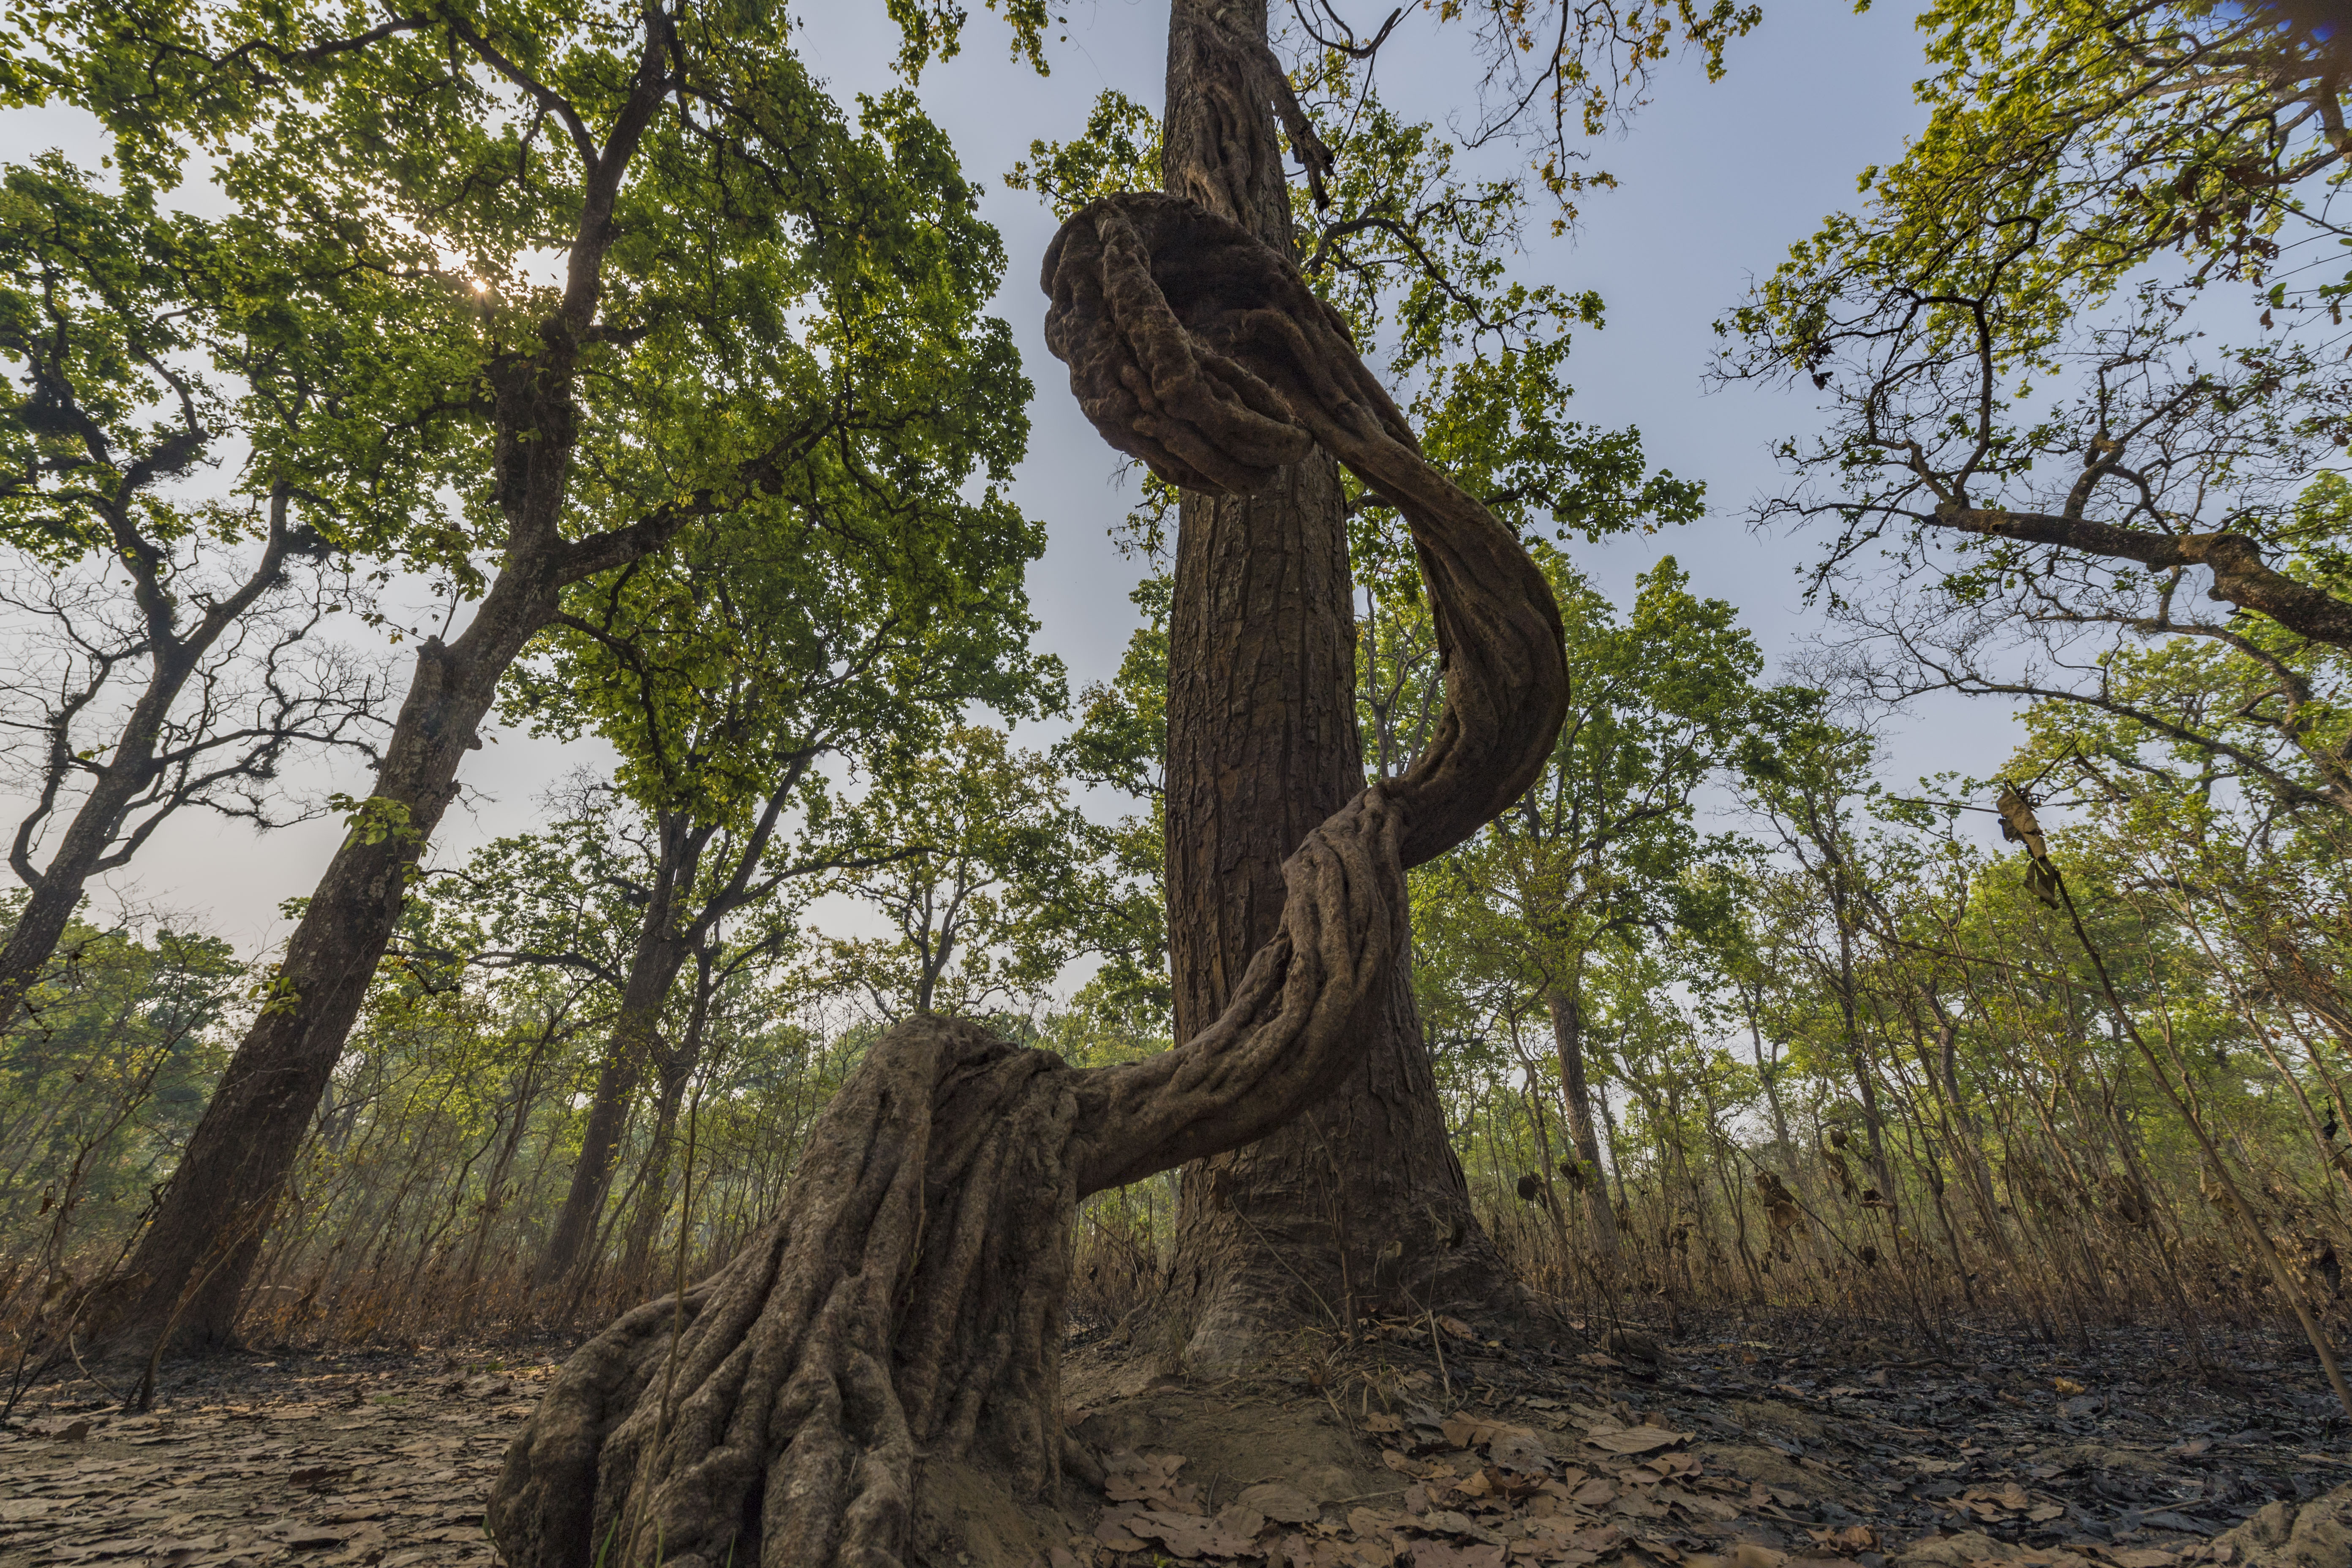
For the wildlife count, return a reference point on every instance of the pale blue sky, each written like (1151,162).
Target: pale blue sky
(1717,180)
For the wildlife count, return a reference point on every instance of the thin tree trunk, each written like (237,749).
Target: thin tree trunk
(660,954)
(56,888)
(675,1068)
(1568,1041)
(1262,745)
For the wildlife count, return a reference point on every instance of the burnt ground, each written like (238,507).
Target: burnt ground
(1738,1449)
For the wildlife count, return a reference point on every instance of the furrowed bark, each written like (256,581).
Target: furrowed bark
(902,1314)
(187,1276)
(1262,745)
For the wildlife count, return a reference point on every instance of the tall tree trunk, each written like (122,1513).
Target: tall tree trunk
(814,1402)
(188,1273)
(1262,746)
(187,1276)
(661,951)
(1568,1040)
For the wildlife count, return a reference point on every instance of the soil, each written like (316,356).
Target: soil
(1746,1448)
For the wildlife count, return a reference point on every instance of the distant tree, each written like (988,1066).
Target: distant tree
(759,310)
(726,675)
(2036,424)
(102,1076)
(986,909)
(163,648)
(1601,857)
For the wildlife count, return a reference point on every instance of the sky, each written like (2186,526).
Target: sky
(1716,181)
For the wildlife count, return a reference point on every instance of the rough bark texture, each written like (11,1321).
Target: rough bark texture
(1262,745)
(904,1311)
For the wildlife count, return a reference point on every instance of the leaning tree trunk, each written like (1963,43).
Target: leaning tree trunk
(57,896)
(660,954)
(1362,1201)
(187,1276)
(903,1314)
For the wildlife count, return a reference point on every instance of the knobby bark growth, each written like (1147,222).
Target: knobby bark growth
(903,1312)
(1262,746)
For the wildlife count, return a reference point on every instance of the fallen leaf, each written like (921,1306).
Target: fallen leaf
(1637,1439)
(1240,1520)
(1281,1503)
(1188,1535)
(1380,1421)
(1518,1448)
(1847,1543)
(1111,1530)
(1447,1521)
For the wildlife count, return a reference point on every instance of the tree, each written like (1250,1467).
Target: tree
(760,310)
(2026,421)
(1363,1202)
(908,1302)
(1603,855)
(169,657)
(725,675)
(985,905)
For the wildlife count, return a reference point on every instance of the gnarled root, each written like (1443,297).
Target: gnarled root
(908,1302)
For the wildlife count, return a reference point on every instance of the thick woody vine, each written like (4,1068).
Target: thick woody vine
(904,1309)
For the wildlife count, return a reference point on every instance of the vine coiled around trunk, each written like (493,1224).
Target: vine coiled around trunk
(904,1310)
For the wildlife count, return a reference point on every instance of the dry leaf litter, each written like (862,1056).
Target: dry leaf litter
(1393,1450)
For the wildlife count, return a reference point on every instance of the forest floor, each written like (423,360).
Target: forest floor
(1755,1447)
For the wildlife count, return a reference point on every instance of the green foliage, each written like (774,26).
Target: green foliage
(1606,853)
(987,902)
(783,309)
(149,340)
(101,1080)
